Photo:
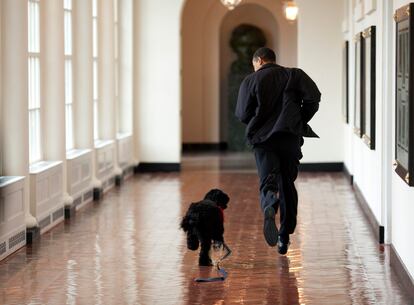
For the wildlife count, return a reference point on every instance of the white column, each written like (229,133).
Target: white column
(106,69)
(83,80)
(157,83)
(15,128)
(136,81)
(82,74)
(126,40)
(106,78)
(53,86)
(387,117)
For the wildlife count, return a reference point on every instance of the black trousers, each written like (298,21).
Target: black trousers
(277,161)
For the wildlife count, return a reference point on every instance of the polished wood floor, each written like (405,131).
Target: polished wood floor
(127,249)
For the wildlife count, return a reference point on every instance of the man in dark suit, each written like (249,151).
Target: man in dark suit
(276,104)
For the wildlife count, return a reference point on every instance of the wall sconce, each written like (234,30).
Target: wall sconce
(291,10)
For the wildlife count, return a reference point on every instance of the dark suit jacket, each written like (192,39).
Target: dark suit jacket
(277,99)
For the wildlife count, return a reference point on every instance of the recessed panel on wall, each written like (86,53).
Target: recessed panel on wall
(404,111)
(345,82)
(369,85)
(358,10)
(359,90)
(370,6)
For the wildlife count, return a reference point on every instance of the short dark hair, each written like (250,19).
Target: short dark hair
(266,54)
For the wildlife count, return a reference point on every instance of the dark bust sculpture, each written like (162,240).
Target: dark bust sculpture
(245,40)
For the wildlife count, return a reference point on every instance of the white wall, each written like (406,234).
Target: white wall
(125,69)
(319,55)
(402,222)
(402,199)
(365,164)
(157,80)
(388,196)
(1,102)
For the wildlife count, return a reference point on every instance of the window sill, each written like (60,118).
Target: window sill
(103,143)
(42,166)
(123,135)
(76,153)
(8,180)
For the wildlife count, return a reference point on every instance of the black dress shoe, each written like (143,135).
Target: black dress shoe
(282,246)
(270,231)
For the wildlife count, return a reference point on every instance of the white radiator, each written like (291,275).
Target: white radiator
(104,154)
(46,197)
(125,150)
(12,219)
(79,176)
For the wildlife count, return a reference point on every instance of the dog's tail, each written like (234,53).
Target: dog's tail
(190,219)
(186,223)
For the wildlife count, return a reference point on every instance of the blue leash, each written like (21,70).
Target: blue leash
(221,271)
(213,279)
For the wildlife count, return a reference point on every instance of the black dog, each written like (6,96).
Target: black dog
(203,224)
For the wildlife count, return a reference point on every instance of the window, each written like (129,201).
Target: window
(67,5)
(35,147)
(95,69)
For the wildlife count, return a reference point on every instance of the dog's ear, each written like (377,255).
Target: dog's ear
(218,196)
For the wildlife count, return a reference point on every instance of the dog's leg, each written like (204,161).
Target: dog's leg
(192,240)
(204,259)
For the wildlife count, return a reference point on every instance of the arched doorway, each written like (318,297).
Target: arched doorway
(232,131)
(206,57)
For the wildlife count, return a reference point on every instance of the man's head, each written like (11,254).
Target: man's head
(263,56)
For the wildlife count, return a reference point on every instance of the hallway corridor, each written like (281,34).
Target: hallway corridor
(127,249)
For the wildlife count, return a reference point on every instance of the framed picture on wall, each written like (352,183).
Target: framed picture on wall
(359,90)
(345,82)
(369,81)
(404,99)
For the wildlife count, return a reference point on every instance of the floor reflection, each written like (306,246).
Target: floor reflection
(71,285)
(128,249)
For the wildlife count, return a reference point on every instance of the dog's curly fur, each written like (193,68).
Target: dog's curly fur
(203,223)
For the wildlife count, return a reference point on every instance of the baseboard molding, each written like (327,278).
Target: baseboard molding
(375,226)
(128,172)
(348,175)
(204,147)
(157,167)
(321,167)
(402,273)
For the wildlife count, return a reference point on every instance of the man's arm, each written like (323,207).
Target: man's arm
(246,102)
(310,95)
